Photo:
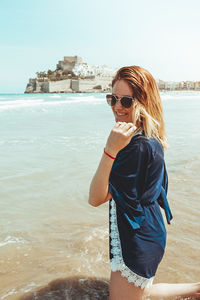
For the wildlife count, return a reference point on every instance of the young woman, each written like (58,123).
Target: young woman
(133,177)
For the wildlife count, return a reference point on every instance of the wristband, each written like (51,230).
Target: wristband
(109,154)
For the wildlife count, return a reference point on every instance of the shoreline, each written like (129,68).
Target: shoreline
(94,92)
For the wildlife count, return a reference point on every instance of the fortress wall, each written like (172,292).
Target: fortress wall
(103,81)
(59,86)
(32,80)
(70,58)
(45,87)
(69,85)
(86,84)
(66,66)
(38,87)
(75,85)
(83,85)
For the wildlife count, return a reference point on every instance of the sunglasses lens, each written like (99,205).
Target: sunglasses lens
(126,101)
(111,100)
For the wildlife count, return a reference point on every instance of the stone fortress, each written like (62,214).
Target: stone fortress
(72,74)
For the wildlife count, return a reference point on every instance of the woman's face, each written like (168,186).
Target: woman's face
(122,114)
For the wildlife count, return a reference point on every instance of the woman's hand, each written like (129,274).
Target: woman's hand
(119,137)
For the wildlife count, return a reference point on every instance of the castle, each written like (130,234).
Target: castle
(72,74)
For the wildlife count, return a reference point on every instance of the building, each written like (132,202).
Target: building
(197,85)
(69,63)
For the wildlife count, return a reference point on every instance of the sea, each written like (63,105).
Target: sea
(53,244)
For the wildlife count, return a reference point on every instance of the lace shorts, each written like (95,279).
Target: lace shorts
(142,254)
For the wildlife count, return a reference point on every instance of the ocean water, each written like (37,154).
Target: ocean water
(51,241)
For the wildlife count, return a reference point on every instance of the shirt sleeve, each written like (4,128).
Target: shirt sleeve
(127,180)
(162,199)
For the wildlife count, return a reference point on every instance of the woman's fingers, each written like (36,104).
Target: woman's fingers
(131,130)
(123,125)
(126,128)
(118,124)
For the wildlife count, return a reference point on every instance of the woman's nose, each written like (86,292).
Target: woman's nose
(118,104)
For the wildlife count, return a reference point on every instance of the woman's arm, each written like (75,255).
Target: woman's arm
(119,137)
(99,185)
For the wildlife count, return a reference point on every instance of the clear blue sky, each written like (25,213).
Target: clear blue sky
(160,35)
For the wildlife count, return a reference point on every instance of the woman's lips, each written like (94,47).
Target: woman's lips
(120,114)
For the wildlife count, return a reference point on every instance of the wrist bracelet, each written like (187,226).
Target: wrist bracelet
(108,154)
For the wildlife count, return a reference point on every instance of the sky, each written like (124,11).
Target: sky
(162,36)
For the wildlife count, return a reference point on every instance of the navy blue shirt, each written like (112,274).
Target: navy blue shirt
(138,183)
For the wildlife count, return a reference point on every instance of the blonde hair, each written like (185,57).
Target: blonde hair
(147,107)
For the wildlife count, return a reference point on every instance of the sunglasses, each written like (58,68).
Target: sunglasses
(126,101)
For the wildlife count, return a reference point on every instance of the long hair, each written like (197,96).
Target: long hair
(147,106)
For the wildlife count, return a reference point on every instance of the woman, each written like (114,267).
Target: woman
(132,175)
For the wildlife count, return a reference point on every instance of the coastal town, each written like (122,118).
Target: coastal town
(74,75)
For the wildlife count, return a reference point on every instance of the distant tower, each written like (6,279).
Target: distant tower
(69,62)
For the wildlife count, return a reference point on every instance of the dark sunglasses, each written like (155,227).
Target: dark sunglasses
(126,101)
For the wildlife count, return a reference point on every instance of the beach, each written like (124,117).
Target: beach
(50,147)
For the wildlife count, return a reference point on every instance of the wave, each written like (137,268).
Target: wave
(55,96)
(50,101)
(180,95)
(14,291)
(12,240)
(45,100)
(16,104)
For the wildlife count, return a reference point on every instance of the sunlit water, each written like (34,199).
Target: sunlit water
(50,146)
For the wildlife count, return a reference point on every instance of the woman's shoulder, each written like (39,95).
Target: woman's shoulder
(145,144)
